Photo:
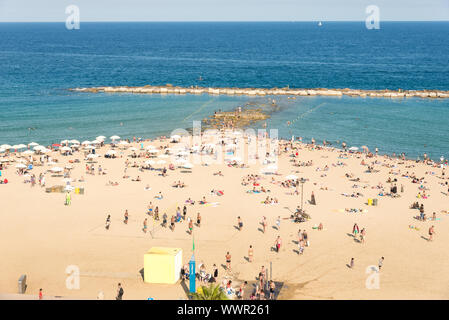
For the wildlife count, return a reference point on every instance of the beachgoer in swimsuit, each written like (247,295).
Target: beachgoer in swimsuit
(228,261)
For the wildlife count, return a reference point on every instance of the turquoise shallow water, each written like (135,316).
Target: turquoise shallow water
(39,62)
(413,126)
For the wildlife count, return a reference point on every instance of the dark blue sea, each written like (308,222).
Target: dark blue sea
(40,61)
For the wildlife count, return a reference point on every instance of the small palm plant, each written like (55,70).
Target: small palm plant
(212,292)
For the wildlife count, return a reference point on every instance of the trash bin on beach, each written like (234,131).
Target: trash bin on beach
(22,283)
(370,202)
(374,202)
(81,191)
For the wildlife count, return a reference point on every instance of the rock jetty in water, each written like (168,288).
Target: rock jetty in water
(169,89)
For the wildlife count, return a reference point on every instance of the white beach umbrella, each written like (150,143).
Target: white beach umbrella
(88,147)
(150,147)
(96,141)
(5,146)
(182,153)
(353,149)
(64,141)
(20,166)
(92,156)
(74,141)
(161,162)
(150,162)
(111,152)
(38,148)
(86,142)
(188,165)
(114,138)
(28,152)
(100,138)
(291,177)
(20,146)
(44,150)
(33,144)
(2,150)
(5,160)
(180,161)
(123,143)
(66,149)
(56,169)
(163,156)
(152,151)
(269,169)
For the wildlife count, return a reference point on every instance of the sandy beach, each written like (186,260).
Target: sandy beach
(40,236)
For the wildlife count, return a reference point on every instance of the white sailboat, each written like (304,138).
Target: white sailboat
(319,24)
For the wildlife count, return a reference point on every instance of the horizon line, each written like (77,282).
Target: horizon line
(218,21)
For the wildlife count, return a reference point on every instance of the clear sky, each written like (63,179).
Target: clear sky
(223,10)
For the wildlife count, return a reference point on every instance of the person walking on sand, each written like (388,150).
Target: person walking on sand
(278,223)
(184,213)
(198,220)
(363,235)
(228,261)
(381,262)
(305,238)
(272,288)
(431,233)
(41,295)
(120,292)
(264,224)
(351,264)
(126,217)
(239,223)
(108,222)
(172,223)
(262,275)
(190,226)
(277,244)
(68,199)
(145,225)
(250,253)
(312,199)
(355,230)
